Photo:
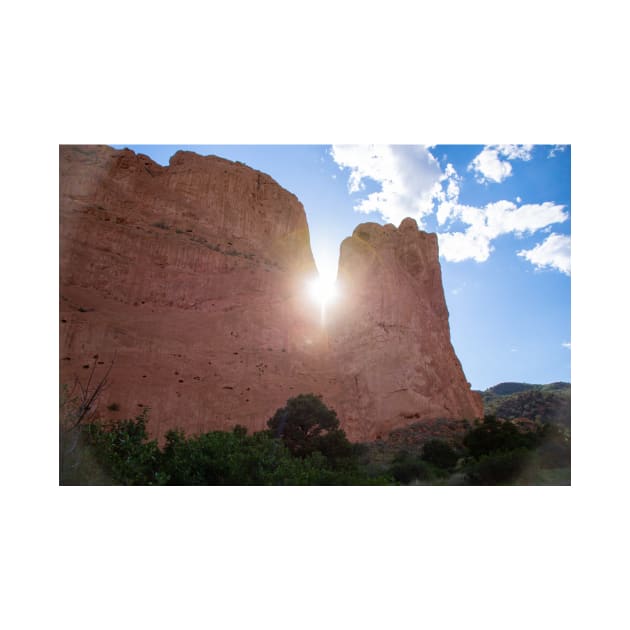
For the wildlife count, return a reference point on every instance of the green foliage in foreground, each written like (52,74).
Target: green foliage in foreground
(222,458)
(126,454)
(502,467)
(407,468)
(499,453)
(493,453)
(121,453)
(493,436)
(440,454)
(305,446)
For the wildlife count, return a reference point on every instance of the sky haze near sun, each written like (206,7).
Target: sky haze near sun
(502,215)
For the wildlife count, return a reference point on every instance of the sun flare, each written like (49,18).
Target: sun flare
(322,291)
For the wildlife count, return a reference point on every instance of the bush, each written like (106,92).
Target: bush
(222,458)
(406,468)
(440,454)
(121,453)
(555,449)
(125,453)
(493,436)
(498,468)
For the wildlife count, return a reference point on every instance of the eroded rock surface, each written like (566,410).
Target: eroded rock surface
(391,334)
(192,279)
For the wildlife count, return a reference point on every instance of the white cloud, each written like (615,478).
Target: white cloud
(496,219)
(516,151)
(489,166)
(458,246)
(409,177)
(448,196)
(504,216)
(554,252)
(557,148)
(412,184)
(567,344)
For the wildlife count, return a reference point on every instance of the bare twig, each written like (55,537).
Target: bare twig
(87,399)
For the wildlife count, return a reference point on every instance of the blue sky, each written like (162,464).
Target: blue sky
(502,214)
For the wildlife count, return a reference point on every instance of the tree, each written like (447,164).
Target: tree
(306,426)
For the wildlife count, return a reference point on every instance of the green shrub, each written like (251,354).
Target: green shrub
(406,468)
(440,454)
(493,436)
(224,458)
(555,448)
(498,468)
(125,453)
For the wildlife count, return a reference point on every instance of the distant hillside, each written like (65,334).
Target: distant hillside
(505,389)
(545,403)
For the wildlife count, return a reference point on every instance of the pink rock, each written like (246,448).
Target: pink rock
(192,279)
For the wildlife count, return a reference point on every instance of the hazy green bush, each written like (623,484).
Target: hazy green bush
(406,468)
(440,454)
(493,436)
(498,468)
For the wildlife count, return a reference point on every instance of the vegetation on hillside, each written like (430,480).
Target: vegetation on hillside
(542,403)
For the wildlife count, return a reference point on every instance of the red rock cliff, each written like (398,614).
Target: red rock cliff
(391,334)
(191,278)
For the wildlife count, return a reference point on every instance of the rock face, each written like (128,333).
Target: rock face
(191,279)
(391,334)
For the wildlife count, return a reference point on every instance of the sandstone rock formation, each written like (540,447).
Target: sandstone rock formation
(192,279)
(391,334)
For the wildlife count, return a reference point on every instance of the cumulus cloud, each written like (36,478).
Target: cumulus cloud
(567,344)
(553,252)
(495,219)
(412,184)
(409,178)
(489,166)
(459,246)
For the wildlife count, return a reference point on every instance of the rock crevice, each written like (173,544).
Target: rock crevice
(193,276)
